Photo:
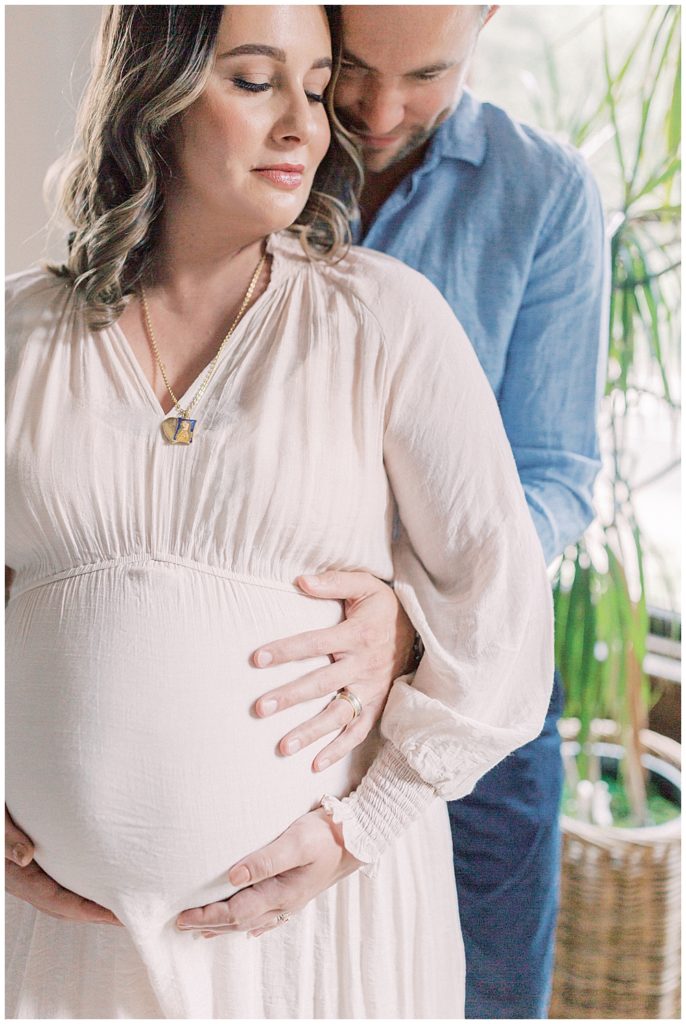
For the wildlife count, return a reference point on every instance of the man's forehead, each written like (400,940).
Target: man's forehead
(397,39)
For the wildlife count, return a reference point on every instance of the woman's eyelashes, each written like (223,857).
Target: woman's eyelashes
(244,84)
(251,86)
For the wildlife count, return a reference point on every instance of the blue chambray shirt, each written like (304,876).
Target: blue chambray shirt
(508,224)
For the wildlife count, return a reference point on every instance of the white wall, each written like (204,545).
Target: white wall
(47,53)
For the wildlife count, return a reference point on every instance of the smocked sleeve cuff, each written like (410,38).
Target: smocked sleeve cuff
(389,797)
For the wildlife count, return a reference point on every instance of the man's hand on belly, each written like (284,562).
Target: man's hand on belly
(280,879)
(25,880)
(368,650)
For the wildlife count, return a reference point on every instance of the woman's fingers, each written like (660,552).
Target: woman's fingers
(284,854)
(266,923)
(286,874)
(255,907)
(250,908)
(18,846)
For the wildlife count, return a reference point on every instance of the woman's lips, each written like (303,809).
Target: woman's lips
(284,176)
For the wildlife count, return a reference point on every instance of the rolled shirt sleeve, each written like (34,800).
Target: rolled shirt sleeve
(556,363)
(470,573)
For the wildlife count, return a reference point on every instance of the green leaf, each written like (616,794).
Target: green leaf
(659,178)
(673,125)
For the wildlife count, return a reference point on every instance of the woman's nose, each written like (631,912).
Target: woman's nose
(296,121)
(382,108)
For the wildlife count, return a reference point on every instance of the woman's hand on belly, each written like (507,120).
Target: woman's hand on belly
(279,879)
(25,880)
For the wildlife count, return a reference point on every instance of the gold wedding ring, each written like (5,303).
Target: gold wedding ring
(353,701)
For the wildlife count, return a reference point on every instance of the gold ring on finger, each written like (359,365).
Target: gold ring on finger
(353,701)
(283,917)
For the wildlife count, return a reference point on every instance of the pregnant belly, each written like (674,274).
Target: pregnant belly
(134,759)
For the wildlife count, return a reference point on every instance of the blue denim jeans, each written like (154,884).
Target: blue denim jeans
(506,842)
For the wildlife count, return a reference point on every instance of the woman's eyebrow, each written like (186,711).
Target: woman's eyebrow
(262,50)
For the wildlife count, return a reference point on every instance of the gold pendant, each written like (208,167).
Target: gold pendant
(178,429)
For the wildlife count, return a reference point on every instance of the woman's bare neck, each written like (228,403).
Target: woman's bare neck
(196,285)
(199,263)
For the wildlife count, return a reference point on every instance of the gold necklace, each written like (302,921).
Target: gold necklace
(179,429)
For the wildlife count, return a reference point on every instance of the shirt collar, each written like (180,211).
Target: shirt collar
(463,135)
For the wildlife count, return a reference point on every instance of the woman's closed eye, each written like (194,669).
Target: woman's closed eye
(242,83)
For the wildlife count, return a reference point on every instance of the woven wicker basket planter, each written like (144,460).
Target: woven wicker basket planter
(618,942)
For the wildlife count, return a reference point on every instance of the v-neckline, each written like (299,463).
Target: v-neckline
(132,358)
(190,392)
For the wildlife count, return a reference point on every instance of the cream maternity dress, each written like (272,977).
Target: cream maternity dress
(348,425)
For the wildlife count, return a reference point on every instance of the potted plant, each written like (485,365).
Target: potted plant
(618,949)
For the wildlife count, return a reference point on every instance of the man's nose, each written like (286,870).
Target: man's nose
(382,108)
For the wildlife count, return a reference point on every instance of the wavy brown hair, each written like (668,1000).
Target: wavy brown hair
(150,63)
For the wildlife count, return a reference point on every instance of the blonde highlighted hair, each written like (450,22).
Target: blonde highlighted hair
(150,63)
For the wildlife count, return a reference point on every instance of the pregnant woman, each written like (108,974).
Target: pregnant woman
(211,397)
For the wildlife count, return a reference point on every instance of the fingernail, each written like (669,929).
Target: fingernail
(21,854)
(263,658)
(239,876)
(312,581)
(322,764)
(293,746)
(267,707)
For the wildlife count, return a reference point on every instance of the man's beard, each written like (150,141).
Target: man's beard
(416,140)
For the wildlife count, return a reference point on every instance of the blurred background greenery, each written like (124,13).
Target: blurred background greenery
(608,80)
(546,66)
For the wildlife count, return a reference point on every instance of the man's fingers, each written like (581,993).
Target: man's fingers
(342,586)
(309,687)
(350,738)
(335,716)
(315,643)
(18,846)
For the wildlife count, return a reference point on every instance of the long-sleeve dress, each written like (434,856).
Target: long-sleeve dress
(348,425)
